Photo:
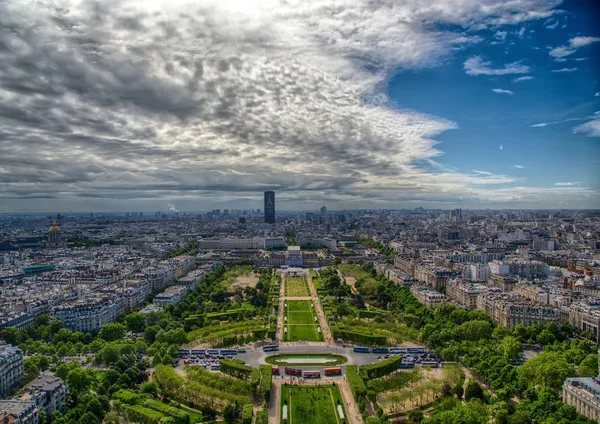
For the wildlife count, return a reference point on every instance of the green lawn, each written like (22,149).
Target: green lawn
(302,332)
(311,404)
(296,286)
(281,359)
(299,305)
(301,318)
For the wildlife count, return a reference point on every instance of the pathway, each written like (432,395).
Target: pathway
(319,310)
(279,329)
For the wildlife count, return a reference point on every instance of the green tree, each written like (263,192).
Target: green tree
(79,381)
(548,369)
(511,348)
(136,322)
(113,331)
(415,416)
(474,391)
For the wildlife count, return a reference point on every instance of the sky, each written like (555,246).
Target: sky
(137,105)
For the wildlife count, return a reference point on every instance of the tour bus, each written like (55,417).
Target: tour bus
(415,350)
(184,352)
(361,349)
(312,374)
(198,351)
(226,352)
(333,371)
(212,352)
(399,350)
(380,350)
(293,371)
(270,348)
(275,370)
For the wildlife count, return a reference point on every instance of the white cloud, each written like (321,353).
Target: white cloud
(477,171)
(597,94)
(567,184)
(550,24)
(475,65)
(502,147)
(590,128)
(519,166)
(500,35)
(521,32)
(564,70)
(523,79)
(574,44)
(501,91)
(217,100)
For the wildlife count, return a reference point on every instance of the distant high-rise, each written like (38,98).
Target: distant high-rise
(270,207)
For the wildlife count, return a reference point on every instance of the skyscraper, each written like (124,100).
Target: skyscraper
(270,207)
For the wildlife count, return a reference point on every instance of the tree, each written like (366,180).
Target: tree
(474,391)
(415,416)
(511,348)
(89,418)
(520,417)
(545,337)
(10,335)
(459,390)
(113,331)
(230,414)
(78,380)
(548,369)
(136,322)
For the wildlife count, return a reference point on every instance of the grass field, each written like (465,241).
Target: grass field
(300,322)
(296,286)
(311,404)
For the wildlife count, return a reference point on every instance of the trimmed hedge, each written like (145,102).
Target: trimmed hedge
(360,338)
(178,415)
(369,314)
(235,368)
(262,417)
(233,313)
(247,413)
(126,396)
(357,385)
(266,377)
(139,414)
(382,368)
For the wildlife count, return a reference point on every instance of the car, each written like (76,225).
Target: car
(386,356)
(186,361)
(379,357)
(242,350)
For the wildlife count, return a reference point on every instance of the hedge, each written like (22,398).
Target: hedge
(369,314)
(262,417)
(247,414)
(139,414)
(357,385)
(126,396)
(360,338)
(178,415)
(233,313)
(382,368)
(266,377)
(235,368)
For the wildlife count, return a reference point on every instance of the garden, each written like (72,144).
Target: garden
(296,286)
(316,359)
(312,405)
(300,322)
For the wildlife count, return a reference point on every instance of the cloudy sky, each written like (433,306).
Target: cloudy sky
(132,105)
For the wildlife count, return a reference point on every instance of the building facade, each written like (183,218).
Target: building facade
(91,314)
(11,367)
(270,207)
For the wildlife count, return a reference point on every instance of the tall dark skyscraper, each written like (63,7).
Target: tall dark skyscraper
(270,207)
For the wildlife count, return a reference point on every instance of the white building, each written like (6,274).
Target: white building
(89,314)
(11,367)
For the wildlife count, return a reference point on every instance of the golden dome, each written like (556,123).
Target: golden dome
(54,227)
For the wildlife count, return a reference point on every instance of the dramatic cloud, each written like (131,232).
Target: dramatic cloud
(522,79)
(105,103)
(477,66)
(574,44)
(501,91)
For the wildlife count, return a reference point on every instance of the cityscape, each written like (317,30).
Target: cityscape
(299,212)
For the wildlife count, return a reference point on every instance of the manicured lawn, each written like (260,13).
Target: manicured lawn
(296,286)
(311,404)
(299,305)
(303,332)
(301,318)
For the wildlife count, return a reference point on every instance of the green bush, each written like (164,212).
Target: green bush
(357,385)
(360,338)
(382,368)
(126,396)
(247,414)
(235,368)
(178,415)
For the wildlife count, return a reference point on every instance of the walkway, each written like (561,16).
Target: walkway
(320,313)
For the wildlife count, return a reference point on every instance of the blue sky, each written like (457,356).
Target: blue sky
(135,105)
(486,120)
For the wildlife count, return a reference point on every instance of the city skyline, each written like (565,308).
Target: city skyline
(125,106)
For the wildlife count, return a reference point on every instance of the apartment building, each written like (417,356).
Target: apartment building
(509,309)
(427,297)
(90,314)
(171,296)
(465,293)
(48,392)
(584,395)
(18,412)
(135,293)
(585,315)
(11,367)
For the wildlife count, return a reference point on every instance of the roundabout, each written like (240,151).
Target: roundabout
(315,359)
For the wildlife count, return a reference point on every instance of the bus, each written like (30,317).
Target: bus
(212,351)
(293,371)
(415,350)
(184,353)
(333,371)
(275,370)
(380,350)
(270,348)
(361,349)
(226,352)
(312,374)
(198,351)
(398,350)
